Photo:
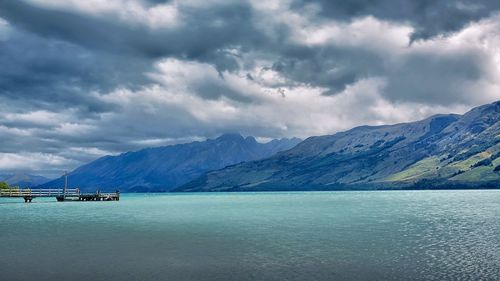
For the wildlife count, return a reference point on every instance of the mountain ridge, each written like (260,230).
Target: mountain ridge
(166,167)
(23,180)
(445,148)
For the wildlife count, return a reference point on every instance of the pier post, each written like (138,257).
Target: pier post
(65,185)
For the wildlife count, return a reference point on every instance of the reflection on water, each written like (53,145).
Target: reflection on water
(401,235)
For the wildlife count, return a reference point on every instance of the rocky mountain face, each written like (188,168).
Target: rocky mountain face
(164,168)
(23,180)
(439,152)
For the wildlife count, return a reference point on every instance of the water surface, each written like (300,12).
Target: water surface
(394,235)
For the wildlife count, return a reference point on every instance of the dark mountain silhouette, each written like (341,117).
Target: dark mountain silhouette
(164,168)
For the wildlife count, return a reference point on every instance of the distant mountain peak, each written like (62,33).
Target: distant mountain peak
(166,167)
(230,137)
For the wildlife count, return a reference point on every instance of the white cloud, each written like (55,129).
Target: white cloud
(172,107)
(34,118)
(36,162)
(462,68)
(365,32)
(18,132)
(368,33)
(4,30)
(130,11)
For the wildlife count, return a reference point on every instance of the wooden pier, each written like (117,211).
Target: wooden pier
(61,194)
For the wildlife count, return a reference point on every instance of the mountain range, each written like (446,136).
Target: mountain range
(23,180)
(443,151)
(165,168)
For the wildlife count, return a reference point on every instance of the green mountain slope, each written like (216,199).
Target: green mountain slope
(453,150)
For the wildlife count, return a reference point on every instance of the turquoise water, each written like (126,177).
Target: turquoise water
(394,235)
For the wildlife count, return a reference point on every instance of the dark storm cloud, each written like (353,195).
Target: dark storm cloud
(74,52)
(205,32)
(54,74)
(437,78)
(198,36)
(330,67)
(64,64)
(429,17)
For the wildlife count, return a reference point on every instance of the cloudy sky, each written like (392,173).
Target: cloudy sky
(81,79)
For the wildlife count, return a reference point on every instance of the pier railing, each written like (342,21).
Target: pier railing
(52,192)
(60,194)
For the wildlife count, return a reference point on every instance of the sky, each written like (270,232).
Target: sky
(83,79)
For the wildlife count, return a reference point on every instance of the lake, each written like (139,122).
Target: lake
(372,235)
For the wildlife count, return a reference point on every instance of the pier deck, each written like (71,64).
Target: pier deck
(61,194)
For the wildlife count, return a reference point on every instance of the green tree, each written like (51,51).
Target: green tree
(4,185)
